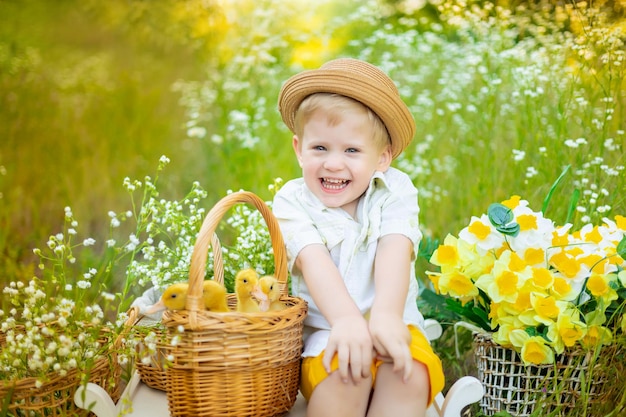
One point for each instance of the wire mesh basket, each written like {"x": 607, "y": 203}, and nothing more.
{"x": 519, "y": 389}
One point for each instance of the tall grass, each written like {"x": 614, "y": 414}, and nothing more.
{"x": 82, "y": 106}
{"x": 504, "y": 99}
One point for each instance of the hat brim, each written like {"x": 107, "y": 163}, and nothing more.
{"x": 386, "y": 103}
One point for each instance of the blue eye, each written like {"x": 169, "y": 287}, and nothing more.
{"x": 352, "y": 150}
{"x": 319, "y": 148}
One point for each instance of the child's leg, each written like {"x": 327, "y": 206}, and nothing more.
{"x": 393, "y": 397}
{"x": 333, "y": 397}
{"x": 328, "y": 395}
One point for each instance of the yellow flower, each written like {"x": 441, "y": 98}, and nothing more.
{"x": 516, "y": 264}
{"x": 570, "y": 331}
{"x": 474, "y": 264}
{"x": 567, "y": 330}
{"x": 512, "y": 202}
{"x": 535, "y": 286}
{"x": 594, "y": 260}
{"x": 505, "y": 316}
{"x": 446, "y": 254}
{"x": 542, "y": 278}
{"x": 545, "y": 306}
{"x": 534, "y": 256}
{"x": 495, "y": 312}
{"x": 562, "y": 289}
{"x": 527, "y": 221}
{"x": 612, "y": 257}
{"x": 479, "y": 229}
{"x": 500, "y": 287}
{"x": 503, "y": 282}
{"x": 545, "y": 310}
{"x": 593, "y": 236}
{"x": 533, "y": 348}
{"x": 599, "y": 286}
{"x": 536, "y": 351}
{"x": 596, "y": 336}
{"x": 434, "y": 278}
{"x": 570, "y": 335}
{"x": 457, "y": 285}
{"x": 559, "y": 238}
{"x": 506, "y": 330}
{"x": 522, "y": 303}
{"x": 565, "y": 264}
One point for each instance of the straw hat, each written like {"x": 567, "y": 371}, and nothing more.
{"x": 360, "y": 81}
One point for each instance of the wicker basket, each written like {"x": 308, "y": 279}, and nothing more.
{"x": 152, "y": 365}
{"x": 153, "y": 370}
{"x": 234, "y": 364}
{"x": 55, "y": 397}
{"x": 519, "y": 389}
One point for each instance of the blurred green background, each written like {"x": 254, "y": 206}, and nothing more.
{"x": 505, "y": 95}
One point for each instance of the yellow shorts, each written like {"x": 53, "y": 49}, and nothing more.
{"x": 313, "y": 372}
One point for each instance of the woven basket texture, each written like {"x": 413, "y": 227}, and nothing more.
{"x": 55, "y": 397}
{"x": 233, "y": 363}
{"x": 519, "y": 389}
{"x": 153, "y": 371}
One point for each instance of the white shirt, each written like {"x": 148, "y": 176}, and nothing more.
{"x": 389, "y": 206}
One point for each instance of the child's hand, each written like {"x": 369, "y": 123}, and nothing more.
{"x": 391, "y": 339}
{"x": 351, "y": 341}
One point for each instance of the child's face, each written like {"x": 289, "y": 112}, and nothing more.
{"x": 338, "y": 161}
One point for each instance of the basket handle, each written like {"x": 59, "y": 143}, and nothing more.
{"x": 207, "y": 236}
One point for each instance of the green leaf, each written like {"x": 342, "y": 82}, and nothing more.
{"x": 512, "y": 229}
{"x": 572, "y": 205}
{"x": 548, "y": 197}
{"x": 531, "y": 331}
{"x": 433, "y": 304}
{"x": 499, "y": 214}
{"x": 427, "y": 247}
{"x": 621, "y": 247}
{"x": 501, "y": 217}
{"x": 470, "y": 312}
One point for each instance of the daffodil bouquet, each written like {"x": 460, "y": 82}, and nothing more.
{"x": 538, "y": 288}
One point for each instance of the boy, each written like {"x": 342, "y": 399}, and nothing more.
{"x": 351, "y": 229}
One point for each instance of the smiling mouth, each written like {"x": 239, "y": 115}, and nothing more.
{"x": 334, "y": 184}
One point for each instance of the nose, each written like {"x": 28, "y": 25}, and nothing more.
{"x": 333, "y": 161}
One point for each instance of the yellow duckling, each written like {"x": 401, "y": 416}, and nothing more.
{"x": 214, "y": 296}
{"x": 246, "y": 282}
{"x": 174, "y": 298}
{"x": 268, "y": 294}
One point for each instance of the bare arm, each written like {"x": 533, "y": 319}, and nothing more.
{"x": 349, "y": 335}
{"x": 390, "y": 335}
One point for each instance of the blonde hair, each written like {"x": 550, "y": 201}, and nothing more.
{"x": 335, "y": 107}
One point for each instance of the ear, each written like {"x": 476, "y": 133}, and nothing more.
{"x": 297, "y": 148}
{"x": 384, "y": 160}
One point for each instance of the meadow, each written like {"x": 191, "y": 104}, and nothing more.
{"x": 509, "y": 99}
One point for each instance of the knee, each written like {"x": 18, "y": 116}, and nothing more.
{"x": 419, "y": 377}
{"x": 334, "y": 390}
{"x": 335, "y": 383}
{"x": 418, "y": 382}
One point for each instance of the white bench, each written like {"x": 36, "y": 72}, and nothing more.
{"x": 140, "y": 400}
